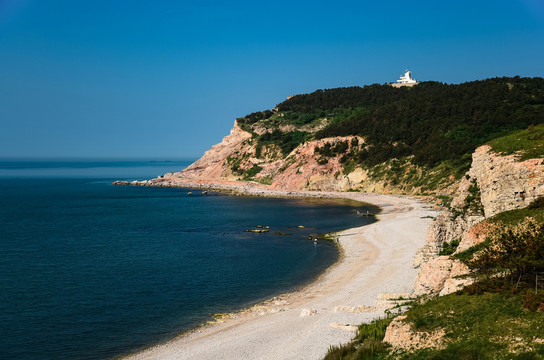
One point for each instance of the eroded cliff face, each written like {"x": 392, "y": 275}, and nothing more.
{"x": 493, "y": 184}
{"x": 506, "y": 183}
{"x": 303, "y": 169}
{"x": 212, "y": 164}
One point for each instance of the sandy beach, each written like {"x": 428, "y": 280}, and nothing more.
{"x": 376, "y": 259}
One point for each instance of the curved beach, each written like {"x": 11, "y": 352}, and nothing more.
{"x": 376, "y": 259}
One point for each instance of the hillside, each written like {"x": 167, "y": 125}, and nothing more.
{"x": 375, "y": 138}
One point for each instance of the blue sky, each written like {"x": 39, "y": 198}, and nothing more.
{"x": 166, "y": 79}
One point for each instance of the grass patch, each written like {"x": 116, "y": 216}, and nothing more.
{"x": 534, "y": 210}
{"x": 528, "y": 143}
{"x": 368, "y": 343}
{"x": 267, "y": 180}
{"x": 489, "y": 325}
{"x": 250, "y": 173}
{"x": 449, "y": 248}
{"x": 349, "y": 166}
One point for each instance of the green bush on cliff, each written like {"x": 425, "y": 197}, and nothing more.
{"x": 287, "y": 141}
{"x": 513, "y": 254}
{"x": 250, "y": 173}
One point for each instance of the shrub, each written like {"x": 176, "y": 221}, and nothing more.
{"x": 449, "y": 248}
{"x": 537, "y": 203}
{"x": 250, "y": 173}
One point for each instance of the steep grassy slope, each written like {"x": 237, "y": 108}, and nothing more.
{"x": 527, "y": 144}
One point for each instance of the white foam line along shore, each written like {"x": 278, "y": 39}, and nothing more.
{"x": 376, "y": 259}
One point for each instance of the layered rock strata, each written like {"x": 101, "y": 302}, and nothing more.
{"x": 506, "y": 183}
{"x": 503, "y": 183}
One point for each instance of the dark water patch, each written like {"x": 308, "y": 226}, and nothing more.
{"x": 91, "y": 270}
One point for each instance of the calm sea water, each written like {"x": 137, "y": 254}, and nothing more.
{"x": 89, "y": 270}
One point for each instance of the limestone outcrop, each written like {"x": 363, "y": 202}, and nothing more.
{"x": 506, "y": 183}
{"x": 493, "y": 184}
{"x": 401, "y": 336}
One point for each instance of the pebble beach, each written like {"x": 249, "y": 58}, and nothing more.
{"x": 375, "y": 267}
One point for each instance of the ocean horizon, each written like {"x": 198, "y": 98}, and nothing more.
{"x": 91, "y": 270}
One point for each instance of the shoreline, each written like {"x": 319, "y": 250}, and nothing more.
{"x": 373, "y": 267}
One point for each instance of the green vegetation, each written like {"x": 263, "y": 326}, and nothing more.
{"x": 250, "y": 173}
{"x": 483, "y": 326}
{"x": 349, "y": 166}
{"x": 473, "y": 203}
{"x": 500, "y": 315}
{"x": 432, "y": 121}
{"x": 267, "y": 180}
{"x": 407, "y": 176}
{"x": 287, "y": 141}
{"x": 535, "y": 210}
{"x": 330, "y": 150}
{"x": 234, "y": 163}
{"x": 528, "y": 144}
{"x": 445, "y": 200}
{"x": 434, "y": 126}
{"x": 246, "y": 121}
{"x": 367, "y": 344}
{"x": 514, "y": 252}
{"x": 516, "y": 255}
{"x": 449, "y": 248}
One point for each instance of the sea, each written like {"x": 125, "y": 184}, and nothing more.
{"x": 89, "y": 270}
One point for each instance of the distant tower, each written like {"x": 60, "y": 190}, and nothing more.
{"x": 405, "y": 80}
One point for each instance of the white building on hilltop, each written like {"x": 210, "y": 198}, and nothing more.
{"x": 405, "y": 80}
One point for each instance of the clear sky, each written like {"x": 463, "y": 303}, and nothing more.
{"x": 166, "y": 79}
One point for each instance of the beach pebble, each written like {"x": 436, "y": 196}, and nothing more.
{"x": 346, "y": 327}
{"x": 308, "y": 312}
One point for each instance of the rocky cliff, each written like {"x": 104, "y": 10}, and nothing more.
{"x": 506, "y": 183}
{"x": 240, "y": 157}
{"x": 236, "y": 159}
{"x": 493, "y": 184}
{"x": 212, "y": 165}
